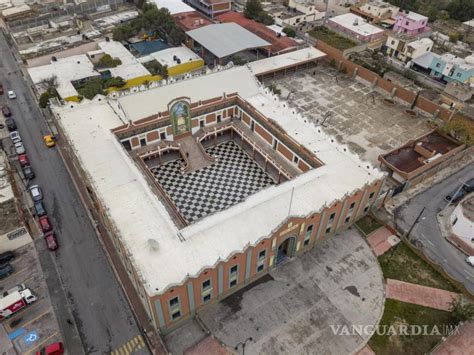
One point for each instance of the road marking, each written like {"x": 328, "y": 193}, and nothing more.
{"x": 130, "y": 347}
{"x": 20, "y": 313}
{"x": 42, "y": 314}
{"x": 41, "y": 343}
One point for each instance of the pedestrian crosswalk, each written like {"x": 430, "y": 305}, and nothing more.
{"x": 130, "y": 347}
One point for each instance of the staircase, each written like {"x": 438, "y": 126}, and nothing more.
{"x": 194, "y": 154}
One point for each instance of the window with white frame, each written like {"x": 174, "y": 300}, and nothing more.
{"x": 175, "y": 308}
{"x": 307, "y": 236}
{"x": 233, "y": 276}
{"x": 206, "y": 291}
{"x": 261, "y": 260}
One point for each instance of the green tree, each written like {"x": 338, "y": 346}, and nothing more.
{"x": 265, "y": 18}
{"x": 273, "y": 88}
{"x": 92, "y": 88}
{"x": 290, "y": 32}
{"x": 116, "y": 81}
{"x": 45, "y": 96}
{"x": 108, "y": 62}
{"x": 176, "y": 36}
{"x": 252, "y": 9}
{"x": 156, "y": 68}
{"x": 462, "y": 311}
{"x": 237, "y": 60}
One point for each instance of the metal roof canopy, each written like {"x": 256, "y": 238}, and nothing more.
{"x": 225, "y": 39}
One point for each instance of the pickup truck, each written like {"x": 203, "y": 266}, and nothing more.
{"x": 15, "y": 301}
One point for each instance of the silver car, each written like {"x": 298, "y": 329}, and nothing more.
{"x": 36, "y": 194}
{"x": 19, "y": 148}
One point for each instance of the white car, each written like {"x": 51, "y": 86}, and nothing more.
{"x": 15, "y": 137}
{"x": 36, "y": 194}
{"x": 11, "y": 94}
{"x": 470, "y": 260}
{"x": 19, "y": 148}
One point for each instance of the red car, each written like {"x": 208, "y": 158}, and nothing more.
{"x": 52, "y": 349}
{"x": 45, "y": 224}
{"x": 51, "y": 241}
{"x": 23, "y": 159}
{"x": 6, "y": 111}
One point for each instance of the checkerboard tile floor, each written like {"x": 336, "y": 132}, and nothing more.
{"x": 230, "y": 180}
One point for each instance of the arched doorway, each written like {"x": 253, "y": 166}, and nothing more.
{"x": 286, "y": 250}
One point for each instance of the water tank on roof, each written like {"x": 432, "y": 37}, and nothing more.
{"x": 470, "y": 59}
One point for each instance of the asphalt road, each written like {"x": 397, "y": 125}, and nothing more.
{"x": 82, "y": 284}
{"x": 427, "y": 231}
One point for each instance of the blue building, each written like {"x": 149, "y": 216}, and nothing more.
{"x": 448, "y": 67}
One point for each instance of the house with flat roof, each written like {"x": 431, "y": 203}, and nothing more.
{"x": 208, "y": 183}
{"x": 355, "y": 27}
{"x": 406, "y": 48}
{"x": 448, "y": 67}
{"x": 376, "y": 11}
{"x": 178, "y": 60}
{"x": 411, "y": 23}
{"x": 173, "y": 6}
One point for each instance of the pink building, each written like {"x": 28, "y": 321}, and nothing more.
{"x": 410, "y": 23}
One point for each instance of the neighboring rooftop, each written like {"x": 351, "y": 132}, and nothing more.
{"x": 290, "y": 59}
{"x": 66, "y": 70}
{"x": 420, "y": 152}
{"x": 145, "y": 228}
{"x": 424, "y": 60}
{"x": 173, "y": 6}
{"x": 130, "y": 67}
{"x": 188, "y": 21}
{"x": 278, "y": 44}
{"x": 225, "y": 39}
{"x": 356, "y": 24}
{"x": 167, "y": 56}
{"x": 412, "y": 15}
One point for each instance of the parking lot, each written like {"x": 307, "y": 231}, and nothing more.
{"x": 351, "y": 111}
{"x": 35, "y": 326}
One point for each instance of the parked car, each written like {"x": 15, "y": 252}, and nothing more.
{"x": 39, "y": 209}
{"x": 470, "y": 260}
{"x": 1, "y": 89}
{"x": 35, "y": 193}
{"x": 19, "y": 148}
{"x": 52, "y": 349}
{"x": 11, "y": 94}
{"x": 5, "y": 270}
{"x": 23, "y": 159}
{"x": 45, "y": 224}
{"x": 49, "y": 140}
{"x": 6, "y": 257}
{"x": 28, "y": 172}
{"x": 456, "y": 195}
{"x": 469, "y": 186}
{"x": 11, "y": 125}
{"x": 51, "y": 241}
{"x": 6, "y": 111}
{"x": 15, "y": 136}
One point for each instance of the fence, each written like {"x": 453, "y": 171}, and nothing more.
{"x": 401, "y": 93}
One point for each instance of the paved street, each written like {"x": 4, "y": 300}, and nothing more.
{"x": 435, "y": 246}
{"x": 79, "y": 277}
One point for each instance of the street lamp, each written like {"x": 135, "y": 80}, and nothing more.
{"x": 243, "y": 345}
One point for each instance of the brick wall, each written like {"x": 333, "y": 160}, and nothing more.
{"x": 401, "y": 93}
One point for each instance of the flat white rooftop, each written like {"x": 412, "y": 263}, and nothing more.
{"x": 130, "y": 67}
{"x": 183, "y": 53}
{"x": 143, "y": 224}
{"x": 66, "y": 70}
{"x": 173, "y": 6}
{"x": 413, "y": 16}
{"x": 281, "y": 61}
{"x": 356, "y": 24}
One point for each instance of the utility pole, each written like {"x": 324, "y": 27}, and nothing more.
{"x": 454, "y": 196}
{"x": 326, "y": 15}
{"x": 414, "y": 224}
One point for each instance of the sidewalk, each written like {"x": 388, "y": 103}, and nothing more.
{"x": 461, "y": 342}
{"x": 420, "y": 295}
{"x": 381, "y": 240}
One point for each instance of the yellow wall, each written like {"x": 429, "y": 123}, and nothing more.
{"x": 135, "y": 82}
{"x": 73, "y": 98}
{"x": 185, "y": 67}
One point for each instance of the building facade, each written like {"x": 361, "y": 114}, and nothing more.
{"x": 405, "y": 48}
{"x": 183, "y": 251}
{"x": 410, "y": 23}
{"x": 448, "y": 67}
{"x": 211, "y": 8}
{"x": 375, "y": 11}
